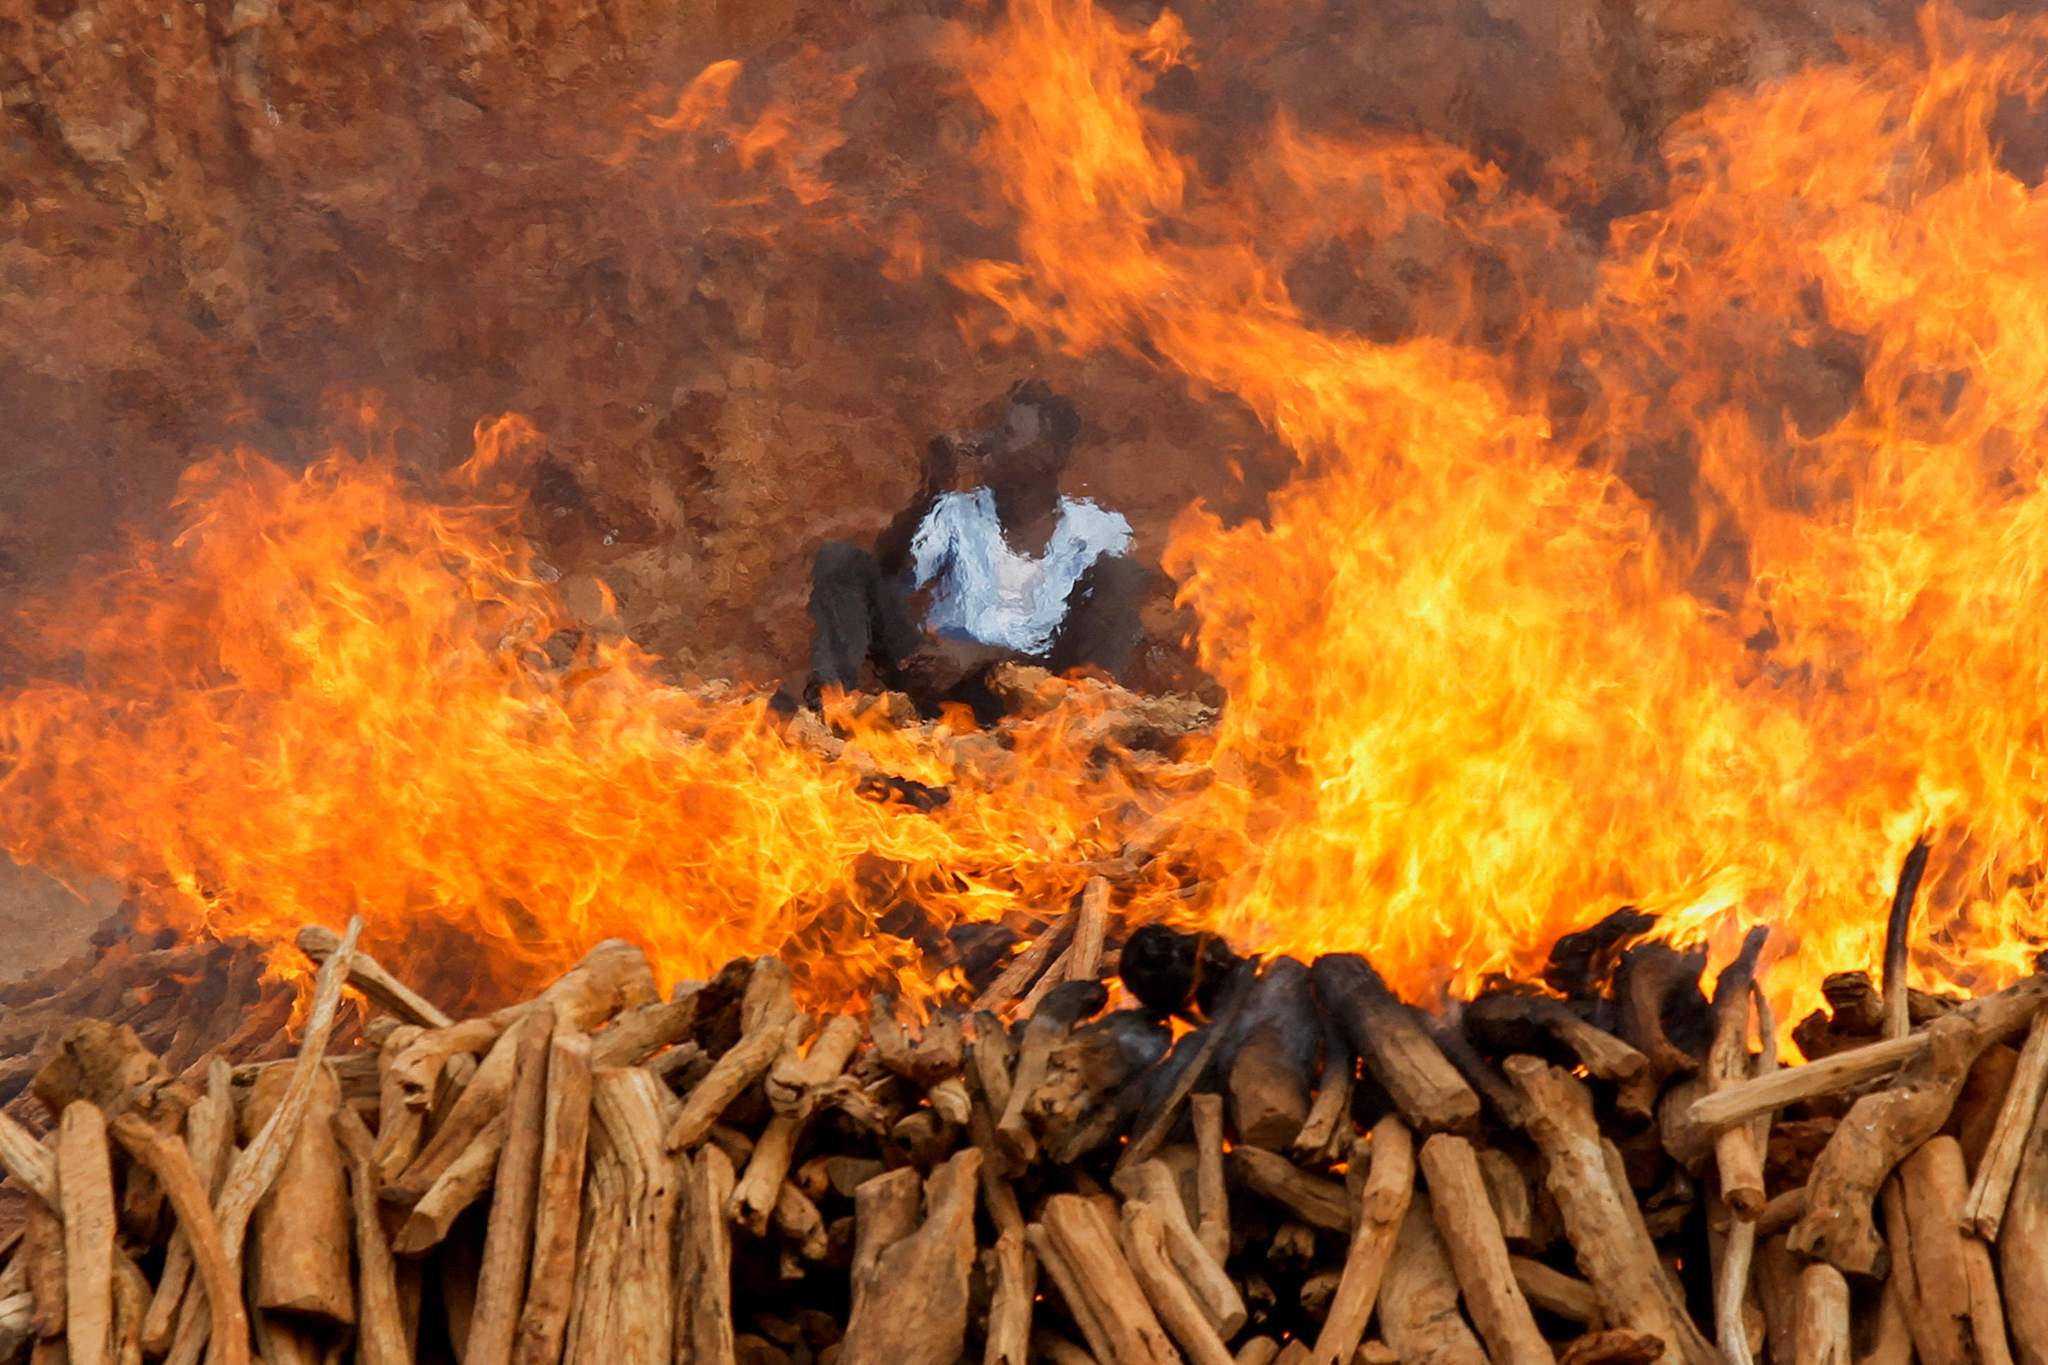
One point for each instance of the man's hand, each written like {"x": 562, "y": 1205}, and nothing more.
{"x": 942, "y": 665}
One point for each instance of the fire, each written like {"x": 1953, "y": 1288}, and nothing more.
{"x": 1705, "y": 580}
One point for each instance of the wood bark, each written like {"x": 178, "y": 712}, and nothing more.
{"x": 1821, "y": 1333}
{"x": 1419, "y": 1298}
{"x": 1086, "y": 1244}
{"x": 915, "y": 1311}
{"x": 508, "y": 1234}
{"x": 2023, "y": 1269}
{"x": 2018, "y": 1115}
{"x": 381, "y": 1334}
{"x": 85, "y": 1189}
{"x": 558, "y": 1213}
{"x": 704, "y": 1327}
{"x": 1378, "y": 1215}
{"x": 300, "y": 1232}
{"x": 1430, "y": 1093}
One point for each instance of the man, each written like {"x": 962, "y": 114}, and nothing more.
{"x": 991, "y": 563}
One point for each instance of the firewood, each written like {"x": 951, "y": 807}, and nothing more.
{"x": 794, "y": 1081}
{"x": 1931, "y": 1186}
{"x": 173, "y": 1167}
{"x": 1153, "y": 1184}
{"x": 369, "y": 976}
{"x": 508, "y": 1237}
{"x": 1614, "y": 1252}
{"x": 461, "y": 1184}
{"x": 1479, "y": 1254}
{"x": 301, "y": 1228}
{"x": 1984, "y": 1210}
{"x": 1505, "y": 1022}
{"x": 1144, "y": 1244}
{"x": 1612, "y": 1347}
{"x": 753, "y": 1198}
{"x": 1327, "y": 1124}
{"x": 1025, "y": 967}
{"x": 915, "y": 1308}
{"x": 885, "y": 1212}
{"x": 591, "y": 1317}
{"x": 473, "y": 1113}
{"x": 1880, "y": 1130}
{"x": 558, "y": 1205}
{"x": 1257, "y": 1351}
{"x": 644, "y": 1030}
{"x": 1125, "y": 1331}
{"x": 1056, "y": 1015}
{"x": 1651, "y": 977}
{"x": 627, "y": 1103}
{"x": 1052, "y": 1347}
{"x": 1212, "y": 1204}
{"x": 1738, "y": 1150}
{"x": 85, "y": 1179}
{"x": 1983, "y": 1092}
{"x": 1555, "y": 1292}
{"x": 42, "y": 1247}
{"x": 2023, "y": 1271}
{"x": 1419, "y": 1298}
{"x": 1267, "y": 1056}
{"x": 1992, "y": 1018}
{"x": 109, "y": 1066}
{"x": 1485, "y": 1080}
{"x": 381, "y": 1335}
{"x": 1082, "y": 958}
{"x": 1187, "y": 1065}
{"x": 1316, "y": 1201}
{"x": 704, "y": 1326}
{"x": 1891, "y": 1337}
{"x": 1821, "y": 1333}
{"x": 800, "y": 1224}
{"x": 1430, "y": 1093}
{"x": 764, "y": 1017}
{"x": 1507, "y": 1189}
{"x": 17, "y": 1324}
{"x": 1378, "y": 1215}
{"x": 1897, "y": 938}
{"x": 27, "y": 1160}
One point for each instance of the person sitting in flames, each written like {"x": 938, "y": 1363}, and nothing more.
{"x": 991, "y": 563}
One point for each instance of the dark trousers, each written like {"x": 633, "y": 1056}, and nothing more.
{"x": 859, "y": 614}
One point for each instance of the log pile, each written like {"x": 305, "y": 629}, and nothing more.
{"x": 1202, "y": 1158}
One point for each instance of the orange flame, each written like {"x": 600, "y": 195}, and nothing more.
{"x": 1706, "y": 580}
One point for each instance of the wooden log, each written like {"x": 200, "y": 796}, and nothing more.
{"x": 1880, "y": 1130}
{"x": 753, "y": 1198}
{"x": 27, "y": 1160}
{"x": 915, "y": 1310}
{"x": 704, "y": 1325}
{"x": 1614, "y": 1250}
{"x": 1327, "y": 1130}
{"x": 1651, "y": 977}
{"x": 1612, "y": 1347}
{"x": 170, "y": 1162}
{"x": 1479, "y": 1253}
{"x": 1897, "y": 938}
{"x": 1931, "y": 1186}
{"x": 1318, "y": 1202}
{"x": 1419, "y": 1298}
{"x": 1555, "y": 1292}
{"x": 209, "y": 1144}
{"x": 1257, "y": 1351}
{"x": 460, "y": 1185}
{"x": 1144, "y": 1243}
{"x": 1267, "y": 1059}
{"x": 1891, "y": 1337}
{"x": 1821, "y": 1333}
{"x": 644, "y": 1030}
{"x": 42, "y": 1248}
{"x": 1024, "y": 969}
{"x": 800, "y": 1224}
{"x": 301, "y": 1228}
{"x": 85, "y": 1191}
{"x": 369, "y": 976}
{"x": 628, "y": 1104}
{"x": 592, "y": 1320}
{"x": 558, "y": 1213}
{"x": 1152, "y": 1130}
{"x": 885, "y": 1212}
{"x": 1430, "y": 1093}
{"x": 1081, "y": 1306}
{"x": 1009, "y": 1309}
{"x": 1984, "y": 1210}
{"x": 2023, "y": 1270}
{"x": 1212, "y": 1200}
{"x": 508, "y": 1236}
{"x": 1153, "y": 1184}
{"x": 1738, "y": 1150}
{"x": 1504, "y": 1021}
{"x": 1378, "y": 1215}
{"x": 764, "y": 1018}
{"x": 1057, "y": 1013}
{"x": 17, "y": 1324}
{"x": 1993, "y": 1018}
{"x": 1095, "y": 1082}
{"x": 381, "y": 1334}
{"x": 1507, "y": 1189}
{"x": 1086, "y": 1243}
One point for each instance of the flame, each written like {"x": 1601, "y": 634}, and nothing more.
{"x": 1702, "y": 578}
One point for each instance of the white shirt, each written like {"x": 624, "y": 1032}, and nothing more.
{"x": 986, "y": 591}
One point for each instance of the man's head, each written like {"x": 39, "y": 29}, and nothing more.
{"x": 1032, "y": 439}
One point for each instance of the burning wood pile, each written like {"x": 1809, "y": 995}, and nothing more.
{"x": 1309, "y": 1170}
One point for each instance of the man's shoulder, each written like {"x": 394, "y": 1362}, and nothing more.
{"x": 1094, "y": 522}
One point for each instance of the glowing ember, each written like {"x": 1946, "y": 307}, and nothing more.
{"x": 1708, "y": 582}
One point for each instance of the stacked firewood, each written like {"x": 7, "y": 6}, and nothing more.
{"x": 1205, "y": 1158}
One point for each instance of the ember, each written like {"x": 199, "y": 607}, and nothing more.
{"x": 1608, "y": 559}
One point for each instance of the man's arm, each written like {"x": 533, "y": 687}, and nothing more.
{"x": 941, "y": 465}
